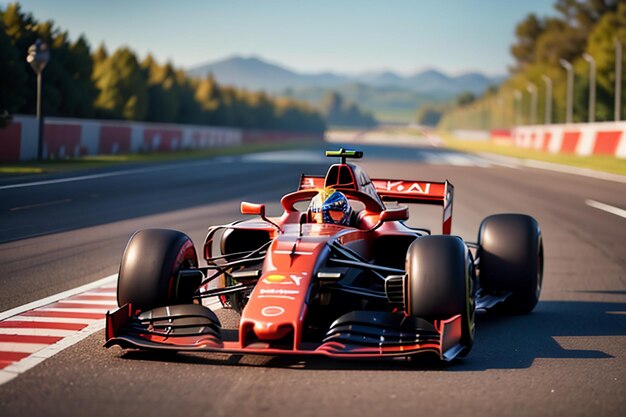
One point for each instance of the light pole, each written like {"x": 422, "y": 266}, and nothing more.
{"x": 532, "y": 89}
{"x": 38, "y": 57}
{"x": 548, "y": 109}
{"x": 592, "y": 86}
{"x": 517, "y": 106}
{"x": 500, "y": 111}
{"x": 618, "y": 79}
{"x": 570, "y": 89}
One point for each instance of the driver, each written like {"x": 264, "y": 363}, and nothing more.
{"x": 330, "y": 206}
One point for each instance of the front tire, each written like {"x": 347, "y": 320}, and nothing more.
{"x": 511, "y": 260}
{"x": 149, "y": 267}
{"x": 440, "y": 283}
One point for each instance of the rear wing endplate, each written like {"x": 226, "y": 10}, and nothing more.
{"x": 419, "y": 192}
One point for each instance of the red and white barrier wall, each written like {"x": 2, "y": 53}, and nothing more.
{"x": 584, "y": 139}
{"x": 80, "y": 137}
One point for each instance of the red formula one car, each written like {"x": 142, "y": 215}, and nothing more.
{"x": 370, "y": 287}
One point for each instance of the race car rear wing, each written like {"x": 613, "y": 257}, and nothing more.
{"x": 402, "y": 191}
{"x": 419, "y": 192}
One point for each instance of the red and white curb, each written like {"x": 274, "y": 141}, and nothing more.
{"x": 34, "y": 332}
{"x": 584, "y": 139}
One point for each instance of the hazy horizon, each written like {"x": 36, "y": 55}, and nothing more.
{"x": 355, "y": 73}
{"x": 455, "y": 36}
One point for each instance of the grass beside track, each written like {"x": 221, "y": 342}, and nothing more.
{"x": 103, "y": 161}
{"x": 596, "y": 162}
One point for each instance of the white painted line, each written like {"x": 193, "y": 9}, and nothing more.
{"x": 458, "y": 159}
{"x": 434, "y": 158}
{"x": 53, "y": 298}
{"x": 516, "y": 163}
{"x": 6, "y": 376}
{"x": 481, "y": 162}
{"x": 48, "y": 351}
{"x": 605, "y": 207}
{"x": 101, "y": 294}
{"x": 566, "y": 169}
{"x": 46, "y": 204}
{"x": 107, "y": 174}
{"x": 500, "y": 160}
{"x": 74, "y": 179}
{"x": 53, "y": 320}
{"x": 31, "y": 331}
{"x": 75, "y": 310}
{"x": 21, "y": 347}
{"x": 112, "y": 285}
{"x": 109, "y": 303}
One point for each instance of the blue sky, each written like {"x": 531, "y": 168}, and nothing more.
{"x": 311, "y": 36}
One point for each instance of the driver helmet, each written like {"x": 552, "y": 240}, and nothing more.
{"x": 330, "y": 206}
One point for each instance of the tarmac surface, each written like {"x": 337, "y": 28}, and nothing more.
{"x": 567, "y": 358}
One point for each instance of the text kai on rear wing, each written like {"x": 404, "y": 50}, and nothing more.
{"x": 404, "y": 191}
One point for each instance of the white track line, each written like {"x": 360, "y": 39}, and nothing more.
{"x": 511, "y": 162}
{"x": 52, "y": 320}
{"x": 48, "y": 351}
{"x": 28, "y": 331}
{"x": 75, "y": 310}
{"x": 79, "y": 178}
{"x": 106, "y": 303}
{"x": 65, "y": 294}
{"x": 38, "y": 205}
{"x": 101, "y": 294}
{"x": 566, "y": 169}
{"x": 21, "y": 347}
{"x": 605, "y": 207}
{"x": 499, "y": 160}
{"x": 108, "y": 174}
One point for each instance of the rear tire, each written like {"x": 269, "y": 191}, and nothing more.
{"x": 511, "y": 260}
{"x": 149, "y": 268}
{"x": 440, "y": 283}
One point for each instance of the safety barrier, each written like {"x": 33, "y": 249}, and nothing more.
{"x": 80, "y": 137}
{"x": 584, "y": 139}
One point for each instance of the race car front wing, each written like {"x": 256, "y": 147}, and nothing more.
{"x": 358, "y": 334}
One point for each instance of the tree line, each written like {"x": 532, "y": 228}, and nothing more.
{"x": 340, "y": 112}
{"x": 579, "y": 27}
{"x": 80, "y": 83}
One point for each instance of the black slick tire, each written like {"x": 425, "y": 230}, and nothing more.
{"x": 440, "y": 283}
{"x": 150, "y": 265}
{"x": 511, "y": 260}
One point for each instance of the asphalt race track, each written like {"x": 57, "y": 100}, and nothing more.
{"x": 567, "y": 358}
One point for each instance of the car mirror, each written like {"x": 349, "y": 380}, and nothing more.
{"x": 259, "y": 210}
{"x": 400, "y": 213}
{"x": 395, "y": 214}
{"x": 252, "y": 208}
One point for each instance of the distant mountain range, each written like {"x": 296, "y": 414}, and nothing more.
{"x": 390, "y": 96}
{"x": 257, "y": 74}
